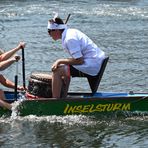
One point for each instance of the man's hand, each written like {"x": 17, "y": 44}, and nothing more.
{"x": 55, "y": 65}
{"x": 21, "y": 45}
{"x": 17, "y": 58}
{"x": 21, "y": 88}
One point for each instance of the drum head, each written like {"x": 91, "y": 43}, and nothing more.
{"x": 41, "y": 76}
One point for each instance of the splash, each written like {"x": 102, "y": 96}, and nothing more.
{"x": 15, "y": 105}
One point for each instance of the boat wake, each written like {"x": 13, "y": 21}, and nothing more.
{"x": 15, "y": 111}
{"x": 68, "y": 120}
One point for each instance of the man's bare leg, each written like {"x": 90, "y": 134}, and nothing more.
{"x": 3, "y": 103}
{"x": 60, "y": 77}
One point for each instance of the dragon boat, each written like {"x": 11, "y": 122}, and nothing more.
{"x": 38, "y": 101}
{"x": 80, "y": 103}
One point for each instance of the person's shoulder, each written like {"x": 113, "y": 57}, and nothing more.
{"x": 70, "y": 32}
{"x": 73, "y": 31}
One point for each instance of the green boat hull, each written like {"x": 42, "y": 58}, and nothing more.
{"x": 84, "y": 104}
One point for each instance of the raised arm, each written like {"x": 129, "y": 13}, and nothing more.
{"x": 5, "y": 64}
{"x": 10, "y": 53}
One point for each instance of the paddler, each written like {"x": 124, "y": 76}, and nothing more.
{"x": 6, "y": 59}
{"x": 85, "y": 56}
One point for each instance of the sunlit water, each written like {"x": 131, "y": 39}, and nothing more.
{"x": 119, "y": 27}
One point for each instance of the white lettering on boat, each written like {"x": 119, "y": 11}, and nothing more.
{"x": 69, "y": 109}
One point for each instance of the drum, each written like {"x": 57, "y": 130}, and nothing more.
{"x": 40, "y": 84}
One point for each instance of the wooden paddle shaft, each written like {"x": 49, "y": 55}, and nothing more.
{"x": 16, "y": 82}
{"x": 67, "y": 18}
{"x": 23, "y": 67}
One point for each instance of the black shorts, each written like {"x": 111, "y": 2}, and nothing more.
{"x": 76, "y": 73}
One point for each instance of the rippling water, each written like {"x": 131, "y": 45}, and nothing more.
{"x": 120, "y": 28}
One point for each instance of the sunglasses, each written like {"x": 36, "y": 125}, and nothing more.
{"x": 50, "y": 30}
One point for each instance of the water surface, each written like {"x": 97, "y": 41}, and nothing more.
{"x": 119, "y": 27}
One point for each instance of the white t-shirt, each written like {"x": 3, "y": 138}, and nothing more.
{"x": 77, "y": 44}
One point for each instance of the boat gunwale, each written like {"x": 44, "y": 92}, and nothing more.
{"x": 87, "y": 96}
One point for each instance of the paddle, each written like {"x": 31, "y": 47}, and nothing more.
{"x": 16, "y": 81}
{"x": 23, "y": 67}
{"x": 67, "y": 18}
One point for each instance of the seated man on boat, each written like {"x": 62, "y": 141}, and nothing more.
{"x": 85, "y": 56}
{"x": 6, "y": 59}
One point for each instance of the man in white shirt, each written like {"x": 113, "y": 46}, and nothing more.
{"x": 86, "y": 57}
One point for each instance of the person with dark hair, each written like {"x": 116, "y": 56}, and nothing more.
{"x": 6, "y": 59}
{"x": 86, "y": 57}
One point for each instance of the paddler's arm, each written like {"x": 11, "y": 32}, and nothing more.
{"x": 10, "y": 53}
{"x": 7, "y": 83}
{"x": 68, "y": 61}
{"x": 7, "y": 63}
